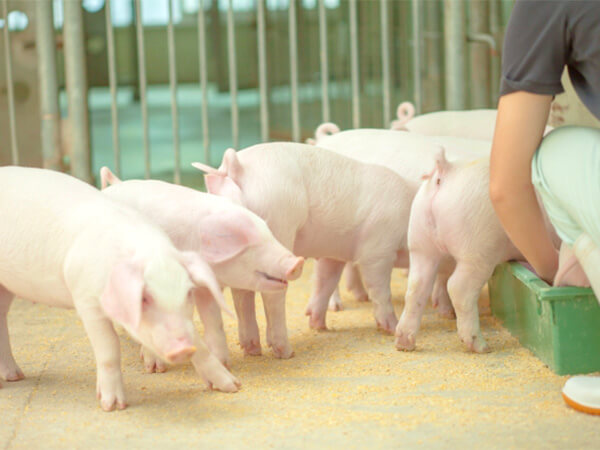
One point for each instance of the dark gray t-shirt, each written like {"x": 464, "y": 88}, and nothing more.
{"x": 542, "y": 37}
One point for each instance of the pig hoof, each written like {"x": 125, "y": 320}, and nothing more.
{"x": 282, "y": 351}
{"x": 406, "y": 342}
{"x": 226, "y": 383}
{"x": 251, "y": 348}
{"x": 317, "y": 323}
{"x": 335, "y": 305}
{"x": 14, "y": 375}
{"x": 478, "y": 345}
{"x": 388, "y": 325}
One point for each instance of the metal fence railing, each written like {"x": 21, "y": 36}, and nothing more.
{"x": 350, "y": 61}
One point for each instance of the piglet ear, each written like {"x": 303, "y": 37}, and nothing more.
{"x": 226, "y": 235}
{"x": 122, "y": 296}
{"x": 203, "y": 277}
{"x": 231, "y": 164}
{"x": 570, "y": 272}
{"x": 223, "y": 186}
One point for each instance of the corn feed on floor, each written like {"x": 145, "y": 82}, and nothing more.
{"x": 346, "y": 387}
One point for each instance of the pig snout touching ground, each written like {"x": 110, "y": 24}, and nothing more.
{"x": 65, "y": 244}
{"x": 235, "y": 242}
{"x": 452, "y": 216}
{"x": 344, "y": 211}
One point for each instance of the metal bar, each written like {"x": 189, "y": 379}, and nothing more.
{"x": 10, "y": 89}
{"x": 455, "y": 42}
{"x": 49, "y": 110}
{"x": 262, "y": 71}
{"x": 324, "y": 61}
{"x": 173, "y": 85}
{"x": 203, "y": 81}
{"x": 479, "y": 54}
{"x": 433, "y": 93}
{"x": 77, "y": 90}
{"x": 294, "y": 71}
{"x": 354, "y": 65}
{"x": 495, "y": 68}
{"x": 416, "y": 35}
{"x": 112, "y": 81}
{"x": 385, "y": 63}
{"x": 232, "y": 75}
{"x": 143, "y": 85}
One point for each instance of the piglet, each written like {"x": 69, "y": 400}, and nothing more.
{"x": 234, "y": 241}
{"x": 65, "y": 244}
{"x": 472, "y": 124}
{"x": 322, "y": 205}
{"x": 410, "y": 155}
{"x": 452, "y": 217}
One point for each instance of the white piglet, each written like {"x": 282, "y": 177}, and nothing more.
{"x": 323, "y": 205}
{"x": 472, "y": 124}
{"x": 65, "y": 244}
{"x": 452, "y": 216}
{"x": 236, "y": 243}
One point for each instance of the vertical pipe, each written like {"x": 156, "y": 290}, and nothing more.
{"x": 495, "y": 67}
{"x": 324, "y": 61}
{"x": 262, "y": 71}
{"x": 479, "y": 56}
{"x": 385, "y": 63}
{"x": 434, "y": 57}
{"x": 232, "y": 75}
{"x": 416, "y": 50}
{"x": 294, "y": 71}
{"x": 76, "y": 80}
{"x": 143, "y": 85}
{"x": 354, "y": 68}
{"x": 173, "y": 85}
{"x": 455, "y": 40}
{"x": 203, "y": 81}
{"x": 112, "y": 80}
{"x": 10, "y": 87}
{"x": 49, "y": 110}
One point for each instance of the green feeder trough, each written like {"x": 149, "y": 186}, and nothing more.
{"x": 561, "y": 326}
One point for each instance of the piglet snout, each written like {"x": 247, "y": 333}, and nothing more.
{"x": 181, "y": 352}
{"x": 295, "y": 269}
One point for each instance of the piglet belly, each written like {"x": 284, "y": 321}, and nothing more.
{"x": 322, "y": 243}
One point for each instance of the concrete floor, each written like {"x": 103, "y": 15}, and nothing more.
{"x": 345, "y": 388}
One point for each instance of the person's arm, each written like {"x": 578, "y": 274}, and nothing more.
{"x": 520, "y": 125}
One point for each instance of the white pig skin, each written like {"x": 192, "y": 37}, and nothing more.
{"x": 234, "y": 241}
{"x": 410, "y": 155}
{"x": 323, "y": 205}
{"x": 65, "y": 244}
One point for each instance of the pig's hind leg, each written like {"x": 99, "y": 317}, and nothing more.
{"x": 440, "y": 298}
{"x": 353, "y": 284}
{"x": 464, "y": 287}
{"x": 377, "y": 276}
{"x": 421, "y": 276}
{"x": 248, "y": 333}
{"x": 9, "y": 370}
{"x": 326, "y": 277}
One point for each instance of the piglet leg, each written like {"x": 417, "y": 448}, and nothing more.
{"x": 277, "y": 337}
{"x": 440, "y": 298}
{"x": 214, "y": 334}
{"x": 377, "y": 278}
{"x": 464, "y": 287}
{"x": 215, "y": 374}
{"x": 247, "y": 327}
{"x": 423, "y": 268}
{"x": 354, "y": 283}
{"x": 8, "y": 367}
{"x": 105, "y": 343}
{"x": 335, "y": 301}
{"x": 326, "y": 277}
